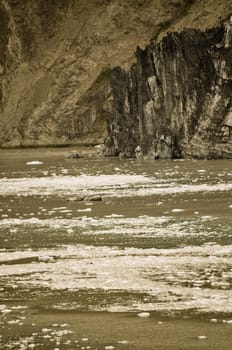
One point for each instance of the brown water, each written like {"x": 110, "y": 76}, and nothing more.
{"x": 108, "y": 253}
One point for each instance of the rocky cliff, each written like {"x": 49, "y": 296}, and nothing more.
{"x": 58, "y": 84}
{"x": 176, "y": 100}
{"x": 55, "y": 59}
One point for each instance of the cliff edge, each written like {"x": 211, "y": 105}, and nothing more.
{"x": 176, "y": 100}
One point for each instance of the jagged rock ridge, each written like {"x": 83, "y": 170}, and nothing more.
{"x": 176, "y": 100}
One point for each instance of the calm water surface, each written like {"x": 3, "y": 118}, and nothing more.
{"x": 108, "y": 253}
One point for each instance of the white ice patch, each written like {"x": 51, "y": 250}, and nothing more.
{"x": 174, "y": 277}
{"x": 107, "y": 185}
{"x": 146, "y": 226}
{"x": 85, "y": 210}
{"x": 177, "y": 210}
{"x": 68, "y": 184}
{"x": 34, "y": 162}
{"x": 143, "y": 314}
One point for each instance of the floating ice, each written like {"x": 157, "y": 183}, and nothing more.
{"x": 114, "y": 216}
{"x": 46, "y": 330}
{"x": 6, "y": 311}
{"x": 107, "y": 185}
{"x": 34, "y": 162}
{"x": 13, "y": 322}
{"x": 227, "y": 321}
{"x": 144, "y": 314}
{"x": 84, "y": 210}
{"x": 177, "y": 210}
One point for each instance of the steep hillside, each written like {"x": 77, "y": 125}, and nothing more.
{"x": 56, "y": 58}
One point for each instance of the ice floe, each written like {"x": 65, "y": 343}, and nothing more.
{"x": 106, "y": 185}
{"x": 34, "y": 162}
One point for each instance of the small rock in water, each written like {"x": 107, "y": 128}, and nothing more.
{"x": 74, "y": 155}
{"x": 100, "y": 150}
{"x": 109, "y": 347}
{"x": 144, "y": 314}
{"x": 94, "y": 198}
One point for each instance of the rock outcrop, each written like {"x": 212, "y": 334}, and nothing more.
{"x": 55, "y": 57}
{"x": 176, "y": 100}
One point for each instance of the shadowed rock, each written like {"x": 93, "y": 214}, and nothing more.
{"x": 176, "y": 100}
{"x": 74, "y": 155}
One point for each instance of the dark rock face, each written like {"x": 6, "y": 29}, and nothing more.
{"x": 176, "y": 100}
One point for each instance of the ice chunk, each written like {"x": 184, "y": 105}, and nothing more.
{"x": 34, "y": 162}
{"x": 177, "y": 210}
{"x": 144, "y": 314}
